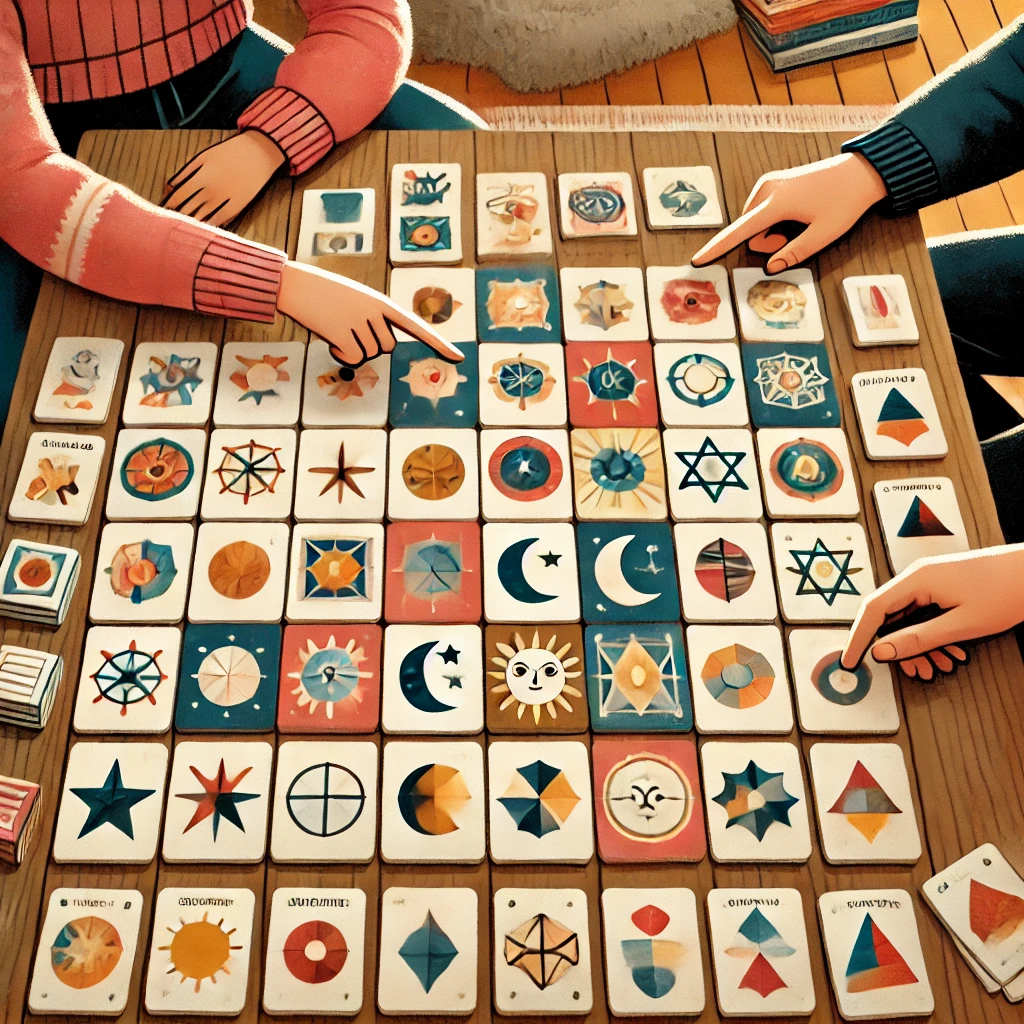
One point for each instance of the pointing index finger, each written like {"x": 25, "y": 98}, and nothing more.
{"x": 422, "y": 331}
{"x": 751, "y": 223}
{"x": 891, "y": 597}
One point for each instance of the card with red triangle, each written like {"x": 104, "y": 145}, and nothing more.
{"x": 897, "y": 413}
{"x": 920, "y": 517}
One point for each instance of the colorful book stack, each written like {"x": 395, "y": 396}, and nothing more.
{"x": 28, "y": 684}
{"x": 19, "y": 811}
{"x": 794, "y": 33}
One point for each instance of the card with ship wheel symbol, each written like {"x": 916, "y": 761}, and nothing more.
{"x": 156, "y": 474}
{"x": 250, "y": 474}
{"x": 522, "y": 385}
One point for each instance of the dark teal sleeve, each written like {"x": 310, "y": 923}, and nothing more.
{"x": 962, "y": 130}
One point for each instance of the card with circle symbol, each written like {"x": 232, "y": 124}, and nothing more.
{"x": 235, "y": 579}
{"x": 525, "y": 475}
{"x": 897, "y": 415}
{"x": 111, "y": 804}
{"x": 426, "y": 213}
{"x": 881, "y": 310}
{"x": 513, "y": 217}
{"x": 156, "y": 474}
{"x": 142, "y": 573}
{"x": 652, "y": 952}
{"x": 596, "y": 205}
{"x": 325, "y": 802}
{"x": 443, "y": 296}
{"x": 725, "y": 572}
{"x": 330, "y": 679}
{"x": 542, "y": 961}
{"x": 170, "y": 384}
{"x": 199, "y": 956}
{"x": 433, "y": 476}
{"x": 759, "y": 951}
{"x": 522, "y": 386}
{"x": 433, "y": 804}
{"x": 682, "y": 197}
{"x": 229, "y": 678}
{"x": 316, "y": 947}
{"x": 336, "y": 222}
{"x": 647, "y": 798}
{"x": 865, "y": 808}
{"x": 433, "y": 680}
{"x": 530, "y": 573}
{"x": 128, "y": 679}
{"x": 611, "y": 385}
{"x": 428, "y": 951}
{"x": 334, "y": 395}
{"x": 781, "y": 307}
{"x": 832, "y": 699}
{"x": 340, "y": 475}
{"x": 874, "y": 954}
{"x": 690, "y": 303}
{"x": 618, "y": 473}
{"x": 79, "y": 379}
{"x": 790, "y": 385}
{"x": 336, "y": 572}
{"x": 259, "y": 384}
{"x": 739, "y": 680}
{"x": 823, "y": 570}
{"x": 250, "y": 474}
{"x": 700, "y": 384}
{"x": 58, "y": 478}
{"x": 755, "y": 802}
{"x": 712, "y": 474}
{"x": 86, "y": 952}
{"x": 38, "y": 581}
{"x": 518, "y": 304}
{"x": 920, "y": 517}
{"x": 604, "y": 304}
{"x": 218, "y": 802}
{"x": 428, "y": 391}
{"x": 807, "y": 473}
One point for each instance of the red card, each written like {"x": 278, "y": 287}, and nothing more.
{"x": 611, "y": 385}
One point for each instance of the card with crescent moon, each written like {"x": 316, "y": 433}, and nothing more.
{"x": 170, "y": 385}
{"x": 518, "y": 304}
{"x": 618, "y": 473}
{"x": 604, "y": 304}
{"x": 259, "y": 384}
{"x": 443, "y": 296}
{"x": 778, "y": 308}
{"x": 790, "y": 384}
{"x": 611, "y": 385}
{"x": 433, "y": 475}
{"x": 681, "y": 197}
{"x": 341, "y": 475}
{"x": 525, "y": 475}
{"x": 712, "y": 474}
{"x": 156, "y": 474}
{"x": 596, "y": 204}
{"x": 522, "y": 385}
{"x": 250, "y": 474}
{"x": 78, "y": 382}
{"x": 807, "y": 473}
{"x": 425, "y": 225}
{"x": 700, "y": 384}
{"x": 428, "y": 391}
{"x": 58, "y": 478}
{"x": 690, "y": 303}
{"x": 342, "y": 396}
{"x": 512, "y": 214}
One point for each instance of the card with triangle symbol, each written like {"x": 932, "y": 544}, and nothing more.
{"x": 920, "y": 517}
{"x": 897, "y": 414}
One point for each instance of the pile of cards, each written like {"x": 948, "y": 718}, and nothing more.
{"x": 28, "y": 684}
{"x": 19, "y": 812}
{"x": 37, "y": 581}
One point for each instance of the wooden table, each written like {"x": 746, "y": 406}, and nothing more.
{"x": 963, "y": 737}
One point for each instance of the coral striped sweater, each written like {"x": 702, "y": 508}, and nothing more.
{"x": 86, "y": 229}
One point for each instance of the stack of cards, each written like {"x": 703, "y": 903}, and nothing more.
{"x": 37, "y": 581}
{"x": 28, "y": 684}
{"x": 426, "y": 213}
{"x": 336, "y": 222}
{"x": 19, "y": 812}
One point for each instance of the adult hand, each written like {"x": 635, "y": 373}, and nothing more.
{"x": 829, "y": 197}
{"x": 217, "y": 184}
{"x": 981, "y": 594}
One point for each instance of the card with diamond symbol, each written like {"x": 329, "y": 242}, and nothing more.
{"x": 790, "y": 385}
{"x": 712, "y": 474}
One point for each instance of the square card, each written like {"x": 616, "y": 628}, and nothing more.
{"x": 156, "y": 474}
{"x": 336, "y": 572}
{"x": 652, "y": 952}
{"x": 259, "y": 384}
{"x": 542, "y": 953}
{"x": 712, "y": 474}
{"x": 170, "y": 384}
{"x": 433, "y": 803}
{"x": 690, "y": 303}
{"x": 428, "y": 951}
{"x": 604, "y": 304}
{"x": 443, "y": 296}
{"x": 541, "y": 808}
{"x": 199, "y": 956}
{"x": 831, "y": 699}
{"x": 325, "y": 802}
{"x": 58, "y": 478}
{"x": 218, "y": 802}
{"x": 759, "y": 950}
{"x": 433, "y": 680}
{"x": 525, "y": 475}
{"x": 700, "y": 385}
{"x": 742, "y": 686}
{"x": 235, "y": 579}
{"x": 647, "y": 796}
{"x": 755, "y": 802}
{"x": 807, "y": 473}
{"x": 790, "y": 385}
{"x": 250, "y": 474}
{"x": 920, "y": 517}
{"x": 636, "y": 678}
{"x": 79, "y": 380}
{"x": 428, "y": 391}
{"x": 344, "y": 396}
{"x": 86, "y": 952}
{"x": 316, "y": 944}
{"x": 874, "y": 954}
{"x": 433, "y": 476}
{"x": 881, "y": 310}
{"x": 111, "y": 804}
{"x": 618, "y": 473}
{"x": 682, "y": 197}
{"x": 513, "y": 217}
{"x": 596, "y": 204}
{"x": 865, "y": 808}
{"x": 519, "y": 304}
{"x": 611, "y": 385}
{"x": 522, "y": 386}
{"x": 336, "y": 222}
{"x": 897, "y": 415}
{"x": 725, "y": 572}
{"x": 229, "y": 678}
{"x": 142, "y": 573}
{"x": 38, "y": 581}
{"x": 330, "y": 679}
{"x": 823, "y": 570}
{"x": 781, "y": 307}
{"x": 425, "y": 222}
{"x": 341, "y": 475}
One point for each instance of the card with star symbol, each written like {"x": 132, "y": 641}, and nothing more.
{"x": 250, "y": 474}
{"x": 340, "y": 475}
{"x": 58, "y": 478}
{"x": 334, "y": 395}
{"x": 781, "y": 307}
{"x": 807, "y": 473}
{"x": 611, "y": 385}
{"x": 443, "y": 296}
{"x": 428, "y": 391}
{"x": 712, "y": 474}
{"x": 604, "y": 304}
{"x": 700, "y": 384}
{"x": 525, "y": 475}
{"x": 433, "y": 475}
{"x": 522, "y": 385}
{"x": 790, "y": 385}
{"x": 690, "y": 303}
{"x": 259, "y": 384}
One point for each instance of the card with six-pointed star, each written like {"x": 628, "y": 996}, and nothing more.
{"x": 512, "y": 214}
{"x": 58, "y": 478}
{"x": 596, "y": 204}
{"x": 518, "y": 304}
{"x": 604, "y": 304}
{"x": 700, "y": 384}
{"x": 428, "y": 391}
{"x": 522, "y": 385}
{"x": 336, "y": 395}
{"x": 919, "y": 517}
{"x": 712, "y": 474}
{"x": 690, "y": 303}
{"x": 170, "y": 384}
{"x": 618, "y": 473}
{"x": 807, "y": 473}
{"x": 433, "y": 476}
{"x": 250, "y": 474}
{"x": 611, "y": 385}
{"x": 681, "y": 197}
{"x": 790, "y": 385}
{"x": 259, "y": 384}
{"x": 897, "y": 414}
{"x": 156, "y": 474}
{"x": 341, "y": 475}
{"x": 525, "y": 475}
{"x": 443, "y": 296}
{"x": 781, "y": 307}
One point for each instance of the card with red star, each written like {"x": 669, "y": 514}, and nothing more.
{"x": 611, "y": 385}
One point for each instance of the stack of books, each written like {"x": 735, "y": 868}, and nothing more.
{"x": 794, "y": 33}
{"x": 19, "y": 811}
{"x": 28, "y": 684}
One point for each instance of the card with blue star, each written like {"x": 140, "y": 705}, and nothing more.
{"x": 428, "y": 391}
{"x": 790, "y": 385}
{"x": 111, "y": 804}
{"x": 229, "y": 678}
{"x": 627, "y": 572}
{"x": 611, "y": 385}
{"x": 259, "y": 384}
{"x": 700, "y": 384}
{"x": 519, "y": 304}
{"x": 712, "y": 474}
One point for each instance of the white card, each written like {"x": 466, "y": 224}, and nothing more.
{"x": 700, "y": 385}
{"x": 250, "y": 474}
{"x": 156, "y": 474}
{"x": 596, "y": 204}
{"x": 807, "y": 473}
{"x": 682, "y": 197}
{"x": 690, "y": 303}
{"x": 513, "y": 217}
{"x": 343, "y": 396}
{"x": 58, "y": 478}
{"x": 433, "y": 475}
{"x": 603, "y": 304}
{"x": 522, "y": 385}
{"x": 897, "y": 414}
{"x": 341, "y": 475}
{"x": 426, "y": 213}
{"x": 443, "y": 296}
{"x": 170, "y": 384}
{"x": 38, "y": 580}
{"x": 336, "y": 222}
{"x": 781, "y": 307}
{"x": 920, "y": 518}
{"x": 525, "y": 475}
{"x": 259, "y": 384}
{"x": 712, "y": 474}
{"x": 79, "y": 380}
{"x": 881, "y": 309}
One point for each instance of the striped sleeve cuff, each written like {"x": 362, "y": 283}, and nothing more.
{"x": 905, "y": 166}
{"x": 300, "y": 130}
{"x": 238, "y": 280}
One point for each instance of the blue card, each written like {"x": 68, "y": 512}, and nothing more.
{"x": 790, "y": 385}
{"x": 518, "y": 303}
{"x": 428, "y": 391}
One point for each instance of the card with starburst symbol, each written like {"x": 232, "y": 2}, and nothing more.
{"x": 618, "y": 473}
{"x": 259, "y": 384}
{"x": 790, "y": 384}
{"x": 344, "y": 396}
{"x": 428, "y": 391}
{"x": 250, "y": 474}
{"x": 712, "y": 474}
{"x": 341, "y": 475}
{"x": 611, "y": 385}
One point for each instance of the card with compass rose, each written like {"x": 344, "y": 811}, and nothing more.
{"x": 340, "y": 475}
{"x": 712, "y": 474}
{"x": 790, "y": 384}
{"x": 250, "y": 474}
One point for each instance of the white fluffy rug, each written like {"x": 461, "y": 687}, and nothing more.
{"x": 536, "y": 45}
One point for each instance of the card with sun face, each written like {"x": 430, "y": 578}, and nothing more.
{"x": 522, "y": 385}
{"x": 342, "y": 396}
{"x": 790, "y": 385}
{"x": 690, "y": 303}
{"x": 604, "y": 304}
{"x": 897, "y": 415}
{"x": 618, "y": 473}
{"x": 259, "y": 384}
{"x": 428, "y": 391}
{"x": 156, "y": 474}
{"x": 782, "y": 308}
{"x": 682, "y": 197}
{"x": 712, "y": 474}
{"x": 340, "y": 475}
{"x": 611, "y": 385}
{"x": 79, "y": 380}
{"x": 170, "y": 384}
{"x": 250, "y": 474}
{"x": 426, "y": 213}
{"x": 700, "y": 384}
{"x": 336, "y": 222}
{"x": 433, "y": 476}
{"x": 199, "y": 956}
{"x": 58, "y": 478}
{"x": 443, "y": 296}
{"x": 919, "y": 517}
{"x": 807, "y": 473}
{"x": 596, "y": 204}
{"x": 86, "y": 952}
{"x": 512, "y": 214}
{"x": 525, "y": 475}
{"x": 518, "y": 304}
{"x": 881, "y": 310}
{"x": 330, "y": 679}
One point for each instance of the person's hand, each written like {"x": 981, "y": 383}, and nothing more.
{"x": 829, "y": 197}
{"x": 981, "y": 594}
{"x": 217, "y": 184}
{"x": 355, "y": 320}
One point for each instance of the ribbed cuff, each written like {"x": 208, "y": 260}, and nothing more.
{"x": 902, "y": 163}
{"x": 238, "y": 280}
{"x": 293, "y": 123}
